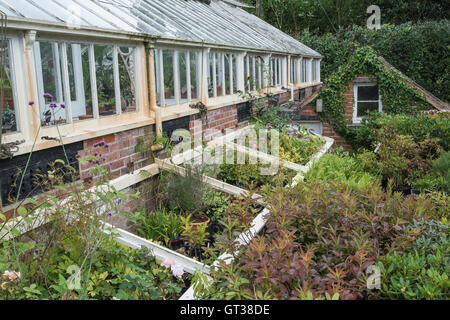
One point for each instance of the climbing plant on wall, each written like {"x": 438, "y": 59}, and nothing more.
{"x": 398, "y": 97}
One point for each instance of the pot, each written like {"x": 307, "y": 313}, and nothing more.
{"x": 198, "y": 220}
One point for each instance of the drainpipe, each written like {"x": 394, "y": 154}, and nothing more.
{"x": 152, "y": 89}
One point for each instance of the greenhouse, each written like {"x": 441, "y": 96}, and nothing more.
{"x": 190, "y": 150}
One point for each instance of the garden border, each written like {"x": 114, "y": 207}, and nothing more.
{"x": 161, "y": 253}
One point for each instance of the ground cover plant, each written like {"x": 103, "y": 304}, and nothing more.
{"x": 323, "y": 241}
{"x": 344, "y": 169}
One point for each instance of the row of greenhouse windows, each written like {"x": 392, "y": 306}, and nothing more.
{"x": 93, "y": 81}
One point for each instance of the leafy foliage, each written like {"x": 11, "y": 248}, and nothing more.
{"x": 419, "y": 50}
{"x": 319, "y": 242}
{"x": 344, "y": 170}
{"x": 423, "y": 272}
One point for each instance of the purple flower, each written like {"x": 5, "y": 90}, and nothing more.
{"x": 110, "y": 213}
{"x": 99, "y": 144}
{"x": 63, "y": 105}
{"x": 31, "y": 102}
{"x": 106, "y": 145}
{"x": 96, "y": 154}
{"x": 269, "y": 125}
{"x": 78, "y": 156}
{"x": 52, "y": 105}
{"x": 48, "y": 96}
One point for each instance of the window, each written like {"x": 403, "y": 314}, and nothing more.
{"x": 304, "y": 70}
{"x": 314, "y": 70}
{"x": 253, "y": 72}
{"x": 295, "y": 71}
{"x": 127, "y": 78}
{"x": 50, "y": 80}
{"x": 222, "y": 74}
{"x": 178, "y": 75}
{"x": 9, "y": 115}
{"x": 275, "y": 68}
{"x": 74, "y": 73}
{"x": 367, "y": 98}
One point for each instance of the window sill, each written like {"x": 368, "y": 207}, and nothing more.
{"x": 85, "y": 130}
{"x": 183, "y": 110}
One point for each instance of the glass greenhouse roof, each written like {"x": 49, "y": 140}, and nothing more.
{"x": 219, "y": 23}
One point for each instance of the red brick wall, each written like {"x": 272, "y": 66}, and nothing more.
{"x": 218, "y": 121}
{"x": 328, "y": 131}
{"x": 117, "y": 154}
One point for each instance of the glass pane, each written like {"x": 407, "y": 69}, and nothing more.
{"x": 364, "y": 107}
{"x": 9, "y": 119}
{"x": 80, "y": 79}
{"x": 158, "y": 76}
{"x": 169, "y": 84}
{"x": 292, "y": 71}
{"x": 70, "y": 67}
{"x": 52, "y": 84}
{"x": 85, "y": 105}
{"x": 234, "y": 73}
{"x": 183, "y": 76}
{"x": 304, "y": 64}
{"x": 127, "y": 67}
{"x": 220, "y": 67}
{"x": 368, "y": 93}
{"x": 104, "y": 67}
{"x": 195, "y": 76}
{"x": 227, "y": 74}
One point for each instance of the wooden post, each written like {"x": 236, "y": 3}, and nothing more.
{"x": 152, "y": 89}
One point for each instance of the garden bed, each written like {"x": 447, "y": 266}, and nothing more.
{"x": 190, "y": 217}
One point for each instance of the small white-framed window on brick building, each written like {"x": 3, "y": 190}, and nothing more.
{"x": 367, "y": 98}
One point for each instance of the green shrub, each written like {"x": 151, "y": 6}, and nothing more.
{"x": 420, "y": 126}
{"x": 158, "y": 225}
{"x": 342, "y": 169}
{"x": 423, "y": 272}
{"x": 419, "y": 50}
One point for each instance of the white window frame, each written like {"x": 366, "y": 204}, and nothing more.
{"x": 64, "y": 94}
{"x": 216, "y": 69}
{"x": 277, "y": 71}
{"x": 254, "y": 69}
{"x": 189, "y": 53}
{"x": 356, "y": 119}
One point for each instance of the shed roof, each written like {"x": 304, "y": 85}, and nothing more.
{"x": 220, "y": 22}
